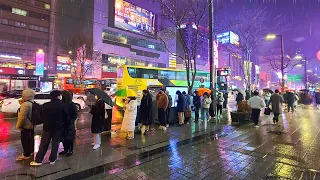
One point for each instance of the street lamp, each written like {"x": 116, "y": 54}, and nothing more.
{"x": 272, "y": 37}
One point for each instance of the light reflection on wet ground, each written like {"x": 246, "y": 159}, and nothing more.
{"x": 238, "y": 152}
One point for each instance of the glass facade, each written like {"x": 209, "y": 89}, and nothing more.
{"x": 131, "y": 40}
{"x": 110, "y": 63}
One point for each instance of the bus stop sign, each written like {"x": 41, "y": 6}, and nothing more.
{"x": 202, "y": 80}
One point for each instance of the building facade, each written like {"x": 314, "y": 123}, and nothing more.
{"x": 24, "y": 29}
{"x": 126, "y": 33}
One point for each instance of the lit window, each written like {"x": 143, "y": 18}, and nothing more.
{"x": 19, "y": 11}
{"x": 4, "y": 21}
{"x": 47, "y": 6}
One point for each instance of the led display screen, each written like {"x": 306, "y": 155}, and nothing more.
{"x": 134, "y": 18}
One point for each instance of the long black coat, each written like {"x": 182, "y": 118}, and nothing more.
{"x": 98, "y": 117}
{"x": 181, "y": 103}
{"x": 54, "y": 115}
{"x": 146, "y": 110}
{"x": 70, "y": 132}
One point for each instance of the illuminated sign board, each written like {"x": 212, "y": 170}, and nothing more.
{"x": 228, "y": 37}
{"x": 39, "y": 63}
{"x": 223, "y": 72}
{"x": 10, "y": 57}
{"x": 215, "y": 53}
{"x": 257, "y": 68}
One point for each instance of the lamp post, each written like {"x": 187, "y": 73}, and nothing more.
{"x": 305, "y": 73}
{"x": 272, "y": 37}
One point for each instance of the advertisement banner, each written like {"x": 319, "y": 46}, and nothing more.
{"x": 39, "y": 63}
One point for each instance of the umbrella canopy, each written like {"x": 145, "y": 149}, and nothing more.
{"x": 102, "y": 95}
{"x": 268, "y": 90}
{"x": 201, "y": 91}
{"x": 126, "y": 93}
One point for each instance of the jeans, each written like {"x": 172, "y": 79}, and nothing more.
{"x": 267, "y": 102}
{"x": 168, "y": 114}
{"x": 162, "y": 117}
{"x": 97, "y": 139}
{"x": 46, "y": 137}
{"x": 290, "y": 106}
{"x": 196, "y": 114}
{"x": 255, "y": 114}
{"x": 68, "y": 144}
{"x": 276, "y": 117}
{"x": 206, "y": 114}
{"x": 27, "y": 141}
{"x": 219, "y": 109}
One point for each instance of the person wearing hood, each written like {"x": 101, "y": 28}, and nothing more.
{"x": 24, "y": 125}
{"x": 55, "y": 117}
{"x": 130, "y": 115}
{"x": 69, "y": 128}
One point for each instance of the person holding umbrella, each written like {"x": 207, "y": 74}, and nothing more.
{"x": 130, "y": 115}
{"x": 97, "y": 125}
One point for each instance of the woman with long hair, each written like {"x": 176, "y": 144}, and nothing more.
{"x": 97, "y": 125}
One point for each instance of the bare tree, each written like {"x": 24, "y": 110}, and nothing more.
{"x": 177, "y": 15}
{"x": 252, "y": 26}
{"x": 272, "y": 59}
{"x": 82, "y": 54}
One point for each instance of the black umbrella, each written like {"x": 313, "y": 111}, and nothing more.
{"x": 102, "y": 95}
{"x": 268, "y": 90}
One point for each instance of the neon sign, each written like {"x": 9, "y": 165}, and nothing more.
{"x": 39, "y": 63}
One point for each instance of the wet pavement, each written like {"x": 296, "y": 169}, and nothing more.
{"x": 9, "y": 133}
{"x": 203, "y": 150}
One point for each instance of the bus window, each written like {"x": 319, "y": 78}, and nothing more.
{"x": 132, "y": 72}
{"x": 147, "y": 73}
{"x": 69, "y": 81}
{"x": 167, "y": 75}
{"x": 181, "y": 76}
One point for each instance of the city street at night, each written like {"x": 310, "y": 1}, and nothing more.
{"x": 209, "y": 150}
{"x": 159, "y": 89}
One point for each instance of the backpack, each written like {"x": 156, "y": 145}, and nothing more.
{"x": 36, "y": 114}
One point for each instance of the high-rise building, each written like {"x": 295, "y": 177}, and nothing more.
{"x": 125, "y": 31}
{"x": 25, "y": 27}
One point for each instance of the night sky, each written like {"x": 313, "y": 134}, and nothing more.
{"x": 303, "y": 15}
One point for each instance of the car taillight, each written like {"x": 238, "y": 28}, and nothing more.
{"x": 7, "y": 103}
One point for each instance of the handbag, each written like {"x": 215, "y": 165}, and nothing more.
{"x": 187, "y": 114}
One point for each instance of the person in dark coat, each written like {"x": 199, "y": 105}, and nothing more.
{"x": 239, "y": 98}
{"x": 225, "y": 96}
{"x": 69, "y": 129}
{"x": 55, "y": 117}
{"x": 276, "y": 105}
{"x": 197, "y": 105}
{"x": 187, "y": 106}
{"x": 181, "y": 107}
{"x": 291, "y": 98}
{"x": 146, "y": 111}
{"x": 97, "y": 125}
{"x": 317, "y": 98}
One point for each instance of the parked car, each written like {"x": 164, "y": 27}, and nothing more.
{"x": 11, "y": 105}
{"x": 80, "y": 96}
